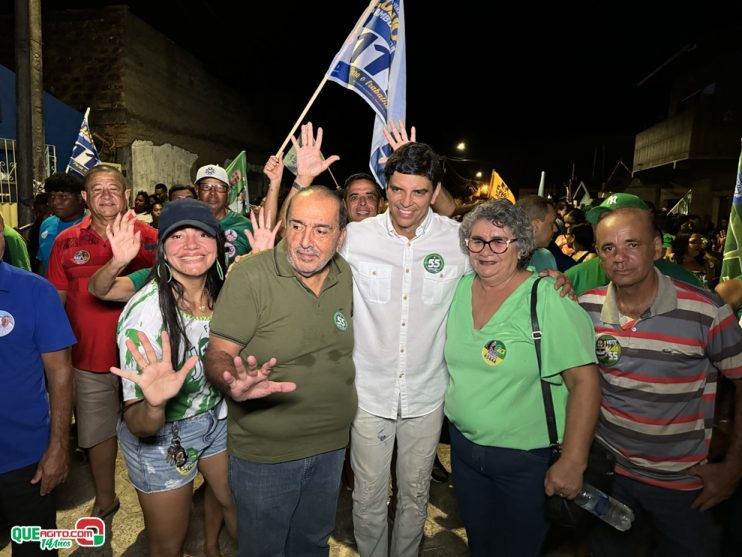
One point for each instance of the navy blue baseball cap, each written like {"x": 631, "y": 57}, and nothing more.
{"x": 187, "y": 212}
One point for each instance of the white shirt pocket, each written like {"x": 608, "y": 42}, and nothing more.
{"x": 439, "y": 287}
{"x": 375, "y": 282}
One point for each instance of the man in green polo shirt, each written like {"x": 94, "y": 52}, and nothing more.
{"x": 589, "y": 274}
{"x": 290, "y": 308}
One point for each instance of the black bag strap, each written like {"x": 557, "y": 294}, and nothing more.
{"x": 545, "y": 387}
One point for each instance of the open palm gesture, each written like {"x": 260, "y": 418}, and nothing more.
{"x": 125, "y": 243}
{"x": 309, "y": 160}
{"x": 157, "y": 379}
{"x": 251, "y": 381}
{"x": 398, "y": 137}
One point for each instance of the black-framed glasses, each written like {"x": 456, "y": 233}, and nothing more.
{"x": 219, "y": 188}
{"x": 497, "y": 245}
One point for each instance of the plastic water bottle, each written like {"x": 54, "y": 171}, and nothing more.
{"x": 605, "y": 507}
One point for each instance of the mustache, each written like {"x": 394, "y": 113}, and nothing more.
{"x": 306, "y": 251}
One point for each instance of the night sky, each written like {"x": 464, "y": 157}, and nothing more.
{"x": 528, "y": 88}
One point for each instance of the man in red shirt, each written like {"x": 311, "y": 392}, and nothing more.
{"x": 77, "y": 253}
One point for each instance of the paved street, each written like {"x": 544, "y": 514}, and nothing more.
{"x": 444, "y": 534}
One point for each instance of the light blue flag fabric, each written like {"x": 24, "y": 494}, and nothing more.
{"x": 84, "y": 154}
{"x": 372, "y": 63}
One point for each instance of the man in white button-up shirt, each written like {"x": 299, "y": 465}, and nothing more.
{"x": 406, "y": 263}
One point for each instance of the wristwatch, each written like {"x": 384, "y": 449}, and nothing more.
{"x": 297, "y": 186}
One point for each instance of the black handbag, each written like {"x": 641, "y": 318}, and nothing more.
{"x": 600, "y": 462}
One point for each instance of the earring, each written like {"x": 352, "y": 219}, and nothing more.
{"x": 219, "y": 270}
{"x": 169, "y": 273}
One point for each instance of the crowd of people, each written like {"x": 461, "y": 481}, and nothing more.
{"x": 357, "y": 325}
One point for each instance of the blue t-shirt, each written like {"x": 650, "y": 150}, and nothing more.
{"x": 32, "y": 322}
{"x": 50, "y": 229}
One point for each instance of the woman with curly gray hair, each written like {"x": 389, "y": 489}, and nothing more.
{"x": 500, "y": 453}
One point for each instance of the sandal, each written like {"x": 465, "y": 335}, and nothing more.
{"x": 105, "y": 513}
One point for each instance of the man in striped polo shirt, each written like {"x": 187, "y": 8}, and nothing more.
{"x": 661, "y": 345}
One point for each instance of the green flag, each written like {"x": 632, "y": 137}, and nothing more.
{"x": 239, "y": 200}
{"x": 732, "y": 265}
{"x": 682, "y": 207}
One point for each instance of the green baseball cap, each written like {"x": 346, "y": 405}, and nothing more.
{"x": 613, "y": 202}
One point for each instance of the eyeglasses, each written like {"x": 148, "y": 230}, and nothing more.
{"x": 219, "y": 188}
{"x": 497, "y": 245}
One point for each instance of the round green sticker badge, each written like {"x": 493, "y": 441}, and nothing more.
{"x": 191, "y": 461}
{"x": 340, "y": 321}
{"x": 607, "y": 350}
{"x": 494, "y": 352}
{"x": 434, "y": 263}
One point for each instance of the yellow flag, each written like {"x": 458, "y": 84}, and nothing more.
{"x": 499, "y": 189}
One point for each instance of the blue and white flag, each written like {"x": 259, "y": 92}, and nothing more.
{"x": 372, "y": 63}
{"x": 84, "y": 154}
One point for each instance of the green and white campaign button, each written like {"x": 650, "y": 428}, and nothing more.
{"x": 340, "y": 321}
{"x": 434, "y": 263}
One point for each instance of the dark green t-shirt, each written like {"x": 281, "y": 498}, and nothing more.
{"x": 265, "y": 308}
{"x": 234, "y": 225}
{"x": 139, "y": 278}
{"x": 590, "y": 274}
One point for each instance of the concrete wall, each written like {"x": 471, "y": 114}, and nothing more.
{"x": 171, "y": 98}
{"x": 140, "y": 87}
{"x": 153, "y": 164}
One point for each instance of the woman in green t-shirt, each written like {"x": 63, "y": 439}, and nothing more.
{"x": 499, "y": 440}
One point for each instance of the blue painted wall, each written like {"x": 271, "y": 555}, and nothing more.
{"x": 61, "y": 122}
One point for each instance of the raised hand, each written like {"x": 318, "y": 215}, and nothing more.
{"x": 398, "y": 137}
{"x": 252, "y": 381}
{"x": 274, "y": 168}
{"x": 262, "y": 237}
{"x": 309, "y": 161}
{"x": 125, "y": 243}
{"x": 158, "y": 381}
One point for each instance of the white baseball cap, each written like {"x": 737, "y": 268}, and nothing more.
{"x": 212, "y": 171}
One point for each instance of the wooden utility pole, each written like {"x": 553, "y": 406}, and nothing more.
{"x": 30, "y": 156}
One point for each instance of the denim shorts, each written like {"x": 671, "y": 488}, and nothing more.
{"x": 146, "y": 458}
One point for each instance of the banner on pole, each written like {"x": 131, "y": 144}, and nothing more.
{"x": 372, "y": 63}
{"x": 84, "y": 154}
{"x": 731, "y": 266}
{"x": 239, "y": 197}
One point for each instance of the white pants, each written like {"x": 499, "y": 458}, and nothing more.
{"x": 371, "y": 445}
